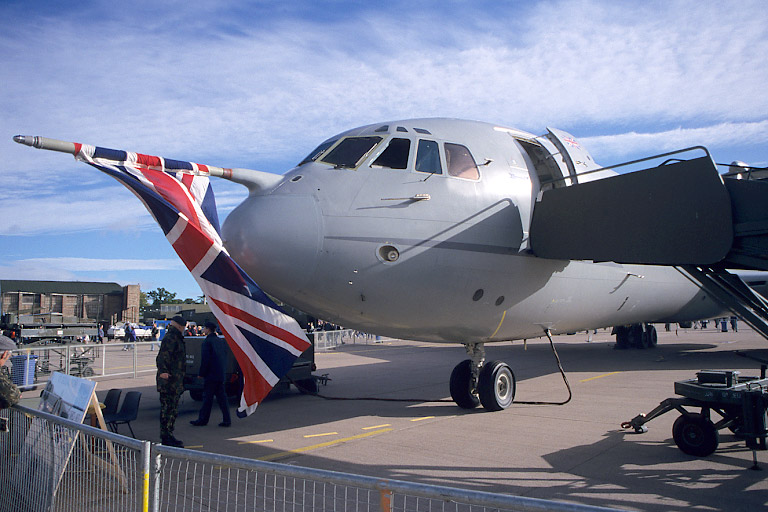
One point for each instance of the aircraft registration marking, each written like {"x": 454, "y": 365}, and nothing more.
{"x": 321, "y": 435}
{"x": 599, "y": 376}
{"x": 280, "y": 455}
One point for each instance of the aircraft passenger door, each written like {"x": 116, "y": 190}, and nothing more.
{"x": 548, "y": 166}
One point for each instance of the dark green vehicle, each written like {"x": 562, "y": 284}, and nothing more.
{"x": 299, "y": 375}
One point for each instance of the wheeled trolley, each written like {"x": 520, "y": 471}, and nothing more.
{"x": 740, "y": 402}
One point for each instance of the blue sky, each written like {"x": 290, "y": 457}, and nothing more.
{"x": 258, "y": 84}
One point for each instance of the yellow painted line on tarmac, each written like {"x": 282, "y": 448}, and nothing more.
{"x": 258, "y": 441}
{"x": 422, "y": 419}
{"x": 599, "y": 376}
{"x": 377, "y": 426}
{"x": 321, "y": 435}
{"x": 194, "y": 446}
{"x": 280, "y": 455}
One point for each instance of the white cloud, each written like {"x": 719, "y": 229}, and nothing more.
{"x": 712, "y": 137}
{"x": 103, "y": 264}
{"x": 257, "y": 97}
{"x": 66, "y": 269}
{"x": 31, "y": 213}
{"x": 234, "y": 89}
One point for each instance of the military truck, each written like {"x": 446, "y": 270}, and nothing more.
{"x": 300, "y": 375}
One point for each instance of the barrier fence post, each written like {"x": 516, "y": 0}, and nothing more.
{"x": 135, "y": 360}
{"x": 156, "y": 469}
{"x": 145, "y": 470}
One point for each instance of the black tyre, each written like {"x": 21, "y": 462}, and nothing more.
{"x": 496, "y": 386}
{"x": 622, "y": 337}
{"x": 652, "y": 336}
{"x": 461, "y": 386}
{"x": 635, "y": 337}
{"x": 695, "y": 435}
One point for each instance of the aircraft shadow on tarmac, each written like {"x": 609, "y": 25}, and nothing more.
{"x": 397, "y": 385}
{"x": 420, "y": 371}
{"x": 669, "y": 479}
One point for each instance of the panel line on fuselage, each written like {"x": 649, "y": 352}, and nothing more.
{"x": 437, "y": 244}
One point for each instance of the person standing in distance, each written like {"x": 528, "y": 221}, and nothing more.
{"x": 171, "y": 368}
{"x": 9, "y": 393}
{"x": 213, "y": 357}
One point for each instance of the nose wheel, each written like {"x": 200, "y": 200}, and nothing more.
{"x": 474, "y": 382}
{"x": 496, "y": 387}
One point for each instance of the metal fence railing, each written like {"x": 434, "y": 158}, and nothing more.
{"x": 327, "y": 340}
{"x": 102, "y": 471}
{"x": 34, "y": 364}
{"x": 48, "y": 463}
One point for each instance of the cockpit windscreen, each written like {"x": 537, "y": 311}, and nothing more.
{"x": 396, "y": 154}
{"x": 319, "y": 150}
{"x": 351, "y": 151}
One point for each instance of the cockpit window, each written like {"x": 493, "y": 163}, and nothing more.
{"x": 428, "y": 157}
{"x": 395, "y": 156}
{"x": 350, "y": 151}
{"x": 319, "y": 150}
{"x": 460, "y": 162}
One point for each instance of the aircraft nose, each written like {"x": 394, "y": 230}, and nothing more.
{"x": 276, "y": 240}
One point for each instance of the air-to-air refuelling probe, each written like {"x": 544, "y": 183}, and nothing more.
{"x": 454, "y": 231}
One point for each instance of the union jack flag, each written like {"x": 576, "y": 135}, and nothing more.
{"x": 264, "y": 340}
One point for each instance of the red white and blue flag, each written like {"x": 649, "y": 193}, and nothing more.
{"x": 264, "y": 340}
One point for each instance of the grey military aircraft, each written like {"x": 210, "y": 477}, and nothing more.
{"x": 454, "y": 231}
{"x": 421, "y": 229}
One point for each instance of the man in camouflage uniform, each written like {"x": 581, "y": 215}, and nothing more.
{"x": 171, "y": 368}
{"x": 9, "y": 393}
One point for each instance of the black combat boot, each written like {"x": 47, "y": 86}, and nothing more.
{"x": 172, "y": 441}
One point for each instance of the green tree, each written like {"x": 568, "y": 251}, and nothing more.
{"x": 163, "y": 296}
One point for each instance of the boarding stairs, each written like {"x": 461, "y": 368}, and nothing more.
{"x": 681, "y": 213}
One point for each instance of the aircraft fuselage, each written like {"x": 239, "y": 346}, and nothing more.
{"x": 419, "y": 229}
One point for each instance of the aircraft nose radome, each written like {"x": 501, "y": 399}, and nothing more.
{"x": 276, "y": 239}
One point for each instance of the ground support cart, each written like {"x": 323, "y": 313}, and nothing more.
{"x": 741, "y": 403}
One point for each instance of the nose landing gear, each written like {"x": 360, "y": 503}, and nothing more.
{"x": 475, "y": 382}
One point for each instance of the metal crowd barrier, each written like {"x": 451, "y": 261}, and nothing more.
{"x": 49, "y": 463}
{"x": 33, "y": 364}
{"x": 328, "y": 340}
{"x": 109, "y": 472}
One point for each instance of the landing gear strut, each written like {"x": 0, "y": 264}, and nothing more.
{"x": 474, "y": 381}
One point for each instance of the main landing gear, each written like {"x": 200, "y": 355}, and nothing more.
{"x": 474, "y": 381}
{"x": 635, "y": 336}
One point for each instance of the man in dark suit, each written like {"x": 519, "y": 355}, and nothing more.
{"x": 213, "y": 357}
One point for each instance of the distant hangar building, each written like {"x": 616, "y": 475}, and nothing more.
{"x": 70, "y": 301}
